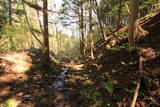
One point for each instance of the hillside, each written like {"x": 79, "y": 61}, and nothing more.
{"x": 112, "y": 76}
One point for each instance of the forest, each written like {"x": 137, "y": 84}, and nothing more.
{"x": 79, "y": 53}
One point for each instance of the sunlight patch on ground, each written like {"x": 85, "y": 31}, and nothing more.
{"x": 77, "y": 77}
{"x": 8, "y": 78}
{"x": 20, "y": 68}
{"x": 21, "y": 62}
{"x": 4, "y": 91}
{"x": 75, "y": 67}
{"x": 15, "y": 66}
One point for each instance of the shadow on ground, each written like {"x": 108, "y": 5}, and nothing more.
{"x": 24, "y": 82}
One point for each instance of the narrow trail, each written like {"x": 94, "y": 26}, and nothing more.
{"x": 60, "y": 93}
{"x": 67, "y": 83}
{"x": 24, "y": 82}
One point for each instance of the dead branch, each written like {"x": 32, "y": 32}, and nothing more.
{"x": 139, "y": 82}
{"x": 30, "y": 26}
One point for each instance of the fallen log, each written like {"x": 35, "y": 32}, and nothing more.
{"x": 147, "y": 24}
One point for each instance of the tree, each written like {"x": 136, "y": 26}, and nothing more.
{"x": 91, "y": 32}
{"x": 10, "y": 23}
{"x": 82, "y": 28}
{"x": 45, "y": 33}
{"x": 73, "y": 12}
{"x": 10, "y": 12}
{"x": 29, "y": 26}
{"x": 133, "y": 23}
{"x": 119, "y": 15}
{"x": 97, "y": 11}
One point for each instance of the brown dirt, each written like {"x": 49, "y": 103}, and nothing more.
{"x": 23, "y": 79}
{"x": 120, "y": 65}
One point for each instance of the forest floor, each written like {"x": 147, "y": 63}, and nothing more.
{"x": 110, "y": 79}
{"x": 24, "y": 82}
{"x": 107, "y": 81}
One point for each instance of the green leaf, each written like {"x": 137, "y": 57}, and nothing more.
{"x": 109, "y": 87}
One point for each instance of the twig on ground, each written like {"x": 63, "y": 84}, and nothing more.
{"x": 139, "y": 82}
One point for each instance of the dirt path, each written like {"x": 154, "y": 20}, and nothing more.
{"x": 74, "y": 83}
{"x": 25, "y": 83}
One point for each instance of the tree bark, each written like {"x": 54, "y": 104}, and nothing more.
{"x": 119, "y": 15}
{"x": 91, "y": 32}
{"x": 133, "y": 24}
{"x": 10, "y": 23}
{"x": 27, "y": 20}
{"x": 45, "y": 33}
{"x": 38, "y": 16}
{"x": 99, "y": 20}
{"x": 10, "y": 12}
{"x": 82, "y": 29}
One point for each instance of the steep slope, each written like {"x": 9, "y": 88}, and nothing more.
{"x": 110, "y": 79}
{"x": 148, "y": 25}
{"x": 118, "y": 63}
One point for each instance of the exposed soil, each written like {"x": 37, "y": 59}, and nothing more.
{"x": 120, "y": 65}
{"x": 25, "y": 83}
{"x": 24, "y": 80}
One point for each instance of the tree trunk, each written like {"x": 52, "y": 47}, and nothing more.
{"x": 27, "y": 20}
{"x": 119, "y": 15}
{"x": 99, "y": 20}
{"x": 32, "y": 42}
{"x": 133, "y": 24}
{"x": 45, "y": 34}
{"x": 10, "y": 12}
{"x": 39, "y": 21}
{"x": 105, "y": 12}
{"x": 58, "y": 40}
{"x": 91, "y": 32}
{"x": 82, "y": 30}
{"x": 10, "y": 23}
